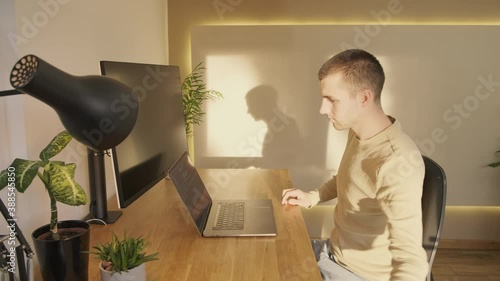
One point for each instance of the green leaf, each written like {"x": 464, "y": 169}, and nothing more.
{"x": 124, "y": 254}
{"x": 123, "y": 258}
{"x": 25, "y": 171}
{"x": 194, "y": 94}
{"x": 57, "y": 144}
{"x": 3, "y": 179}
{"x": 63, "y": 185}
{"x": 494, "y": 165}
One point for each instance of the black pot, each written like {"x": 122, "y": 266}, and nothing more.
{"x": 67, "y": 259}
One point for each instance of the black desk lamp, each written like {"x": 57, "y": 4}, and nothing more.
{"x": 87, "y": 107}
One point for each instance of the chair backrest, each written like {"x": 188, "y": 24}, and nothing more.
{"x": 433, "y": 206}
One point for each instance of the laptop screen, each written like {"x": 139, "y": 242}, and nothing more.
{"x": 188, "y": 183}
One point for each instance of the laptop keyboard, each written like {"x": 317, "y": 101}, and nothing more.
{"x": 230, "y": 216}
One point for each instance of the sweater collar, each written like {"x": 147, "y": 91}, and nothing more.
{"x": 383, "y": 135}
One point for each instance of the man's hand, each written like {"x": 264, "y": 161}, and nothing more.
{"x": 295, "y": 197}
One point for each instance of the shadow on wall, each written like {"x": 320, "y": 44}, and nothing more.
{"x": 282, "y": 141}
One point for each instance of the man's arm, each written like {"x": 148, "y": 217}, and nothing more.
{"x": 399, "y": 196}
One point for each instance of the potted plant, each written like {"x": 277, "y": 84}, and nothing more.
{"x": 60, "y": 246}
{"x": 194, "y": 94}
{"x": 123, "y": 259}
{"x": 495, "y": 164}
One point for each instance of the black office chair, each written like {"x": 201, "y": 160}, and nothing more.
{"x": 433, "y": 207}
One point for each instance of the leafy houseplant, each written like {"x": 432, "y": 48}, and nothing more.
{"x": 122, "y": 256}
{"x": 59, "y": 241}
{"x": 495, "y": 164}
{"x": 57, "y": 177}
{"x": 194, "y": 93}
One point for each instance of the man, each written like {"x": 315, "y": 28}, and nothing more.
{"x": 378, "y": 217}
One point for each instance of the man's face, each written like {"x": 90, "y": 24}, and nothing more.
{"x": 338, "y": 104}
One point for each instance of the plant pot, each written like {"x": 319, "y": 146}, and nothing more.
{"x": 66, "y": 259}
{"x": 137, "y": 274}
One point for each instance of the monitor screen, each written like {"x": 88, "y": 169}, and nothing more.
{"x": 158, "y": 138}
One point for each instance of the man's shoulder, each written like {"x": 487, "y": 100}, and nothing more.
{"x": 402, "y": 151}
{"x": 404, "y": 162}
{"x": 402, "y": 143}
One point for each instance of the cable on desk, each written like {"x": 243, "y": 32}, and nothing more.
{"x": 98, "y": 220}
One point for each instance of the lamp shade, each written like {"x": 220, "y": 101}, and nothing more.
{"x": 97, "y": 111}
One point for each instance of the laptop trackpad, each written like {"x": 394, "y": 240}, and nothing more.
{"x": 260, "y": 220}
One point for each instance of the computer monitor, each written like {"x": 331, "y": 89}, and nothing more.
{"x": 158, "y": 137}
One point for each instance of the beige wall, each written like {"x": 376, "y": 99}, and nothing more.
{"x": 184, "y": 15}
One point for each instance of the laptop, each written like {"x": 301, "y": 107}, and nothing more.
{"x": 220, "y": 218}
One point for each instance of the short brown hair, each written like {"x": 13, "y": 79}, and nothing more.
{"x": 359, "y": 69}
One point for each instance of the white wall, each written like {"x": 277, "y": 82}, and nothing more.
{"x": 74, "y": 36}
{"x": 12, "y": 136}
{"x": 11, "y": 129}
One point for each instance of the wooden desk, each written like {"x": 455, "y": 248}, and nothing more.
{"x": 184, "y": 255}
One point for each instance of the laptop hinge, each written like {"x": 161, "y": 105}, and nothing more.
{"x": 205, "y": 219}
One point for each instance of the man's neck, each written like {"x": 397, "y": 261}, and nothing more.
{"x": 371, "y": 124}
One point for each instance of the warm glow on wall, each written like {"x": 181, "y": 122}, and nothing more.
{"x": 481, "y": 222}
{"x": 233, "y": 76}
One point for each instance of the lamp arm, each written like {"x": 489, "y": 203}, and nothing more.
{"x": 10, "y": 93}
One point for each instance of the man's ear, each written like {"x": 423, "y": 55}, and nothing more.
{"x": 366, "y": 97}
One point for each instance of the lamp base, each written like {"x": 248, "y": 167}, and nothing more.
{"x": 112, "y": 217}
